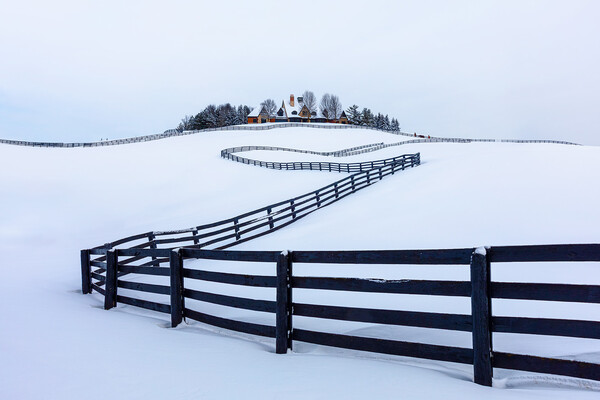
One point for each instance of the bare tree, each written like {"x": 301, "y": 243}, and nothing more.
{"x": 270, "y": 107}
{"x": 309, "y": 100}
{"x": 335, "y": 107}
{"x": 186, "y": 123}
{"x": 330, "y": 106}
{"x": 325, "y": 105}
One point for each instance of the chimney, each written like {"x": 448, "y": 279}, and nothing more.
{"x": 292, "y": 100}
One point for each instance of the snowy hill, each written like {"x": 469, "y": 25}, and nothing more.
{"x": 58, "y": 201}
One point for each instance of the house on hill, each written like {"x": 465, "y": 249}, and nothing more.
{"x": 292, "y": 111}
{"x": 259, "y": 116}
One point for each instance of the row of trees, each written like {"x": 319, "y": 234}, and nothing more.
{"x": 366, "y": 117}
{"x": 215, "y": 116}
{"x": 330, "y": 107}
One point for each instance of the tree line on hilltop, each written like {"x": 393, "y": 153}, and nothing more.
{"x": 366, "y": 117}
{"x": 214, "y": 116}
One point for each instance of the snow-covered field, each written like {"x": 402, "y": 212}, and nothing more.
{"x": 57, "y": 344}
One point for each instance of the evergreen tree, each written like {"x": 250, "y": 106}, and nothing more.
{"x": 378, "y": 121}
{"x": 353, "y": 114}
{"x": 241, "y": 115}
{"x": 386, "y": 123}
{"x": 367, "y": 117}
{"x": 200, "y": 121}
{"x": 216, "y": 116}
{"x": 226, "y": 115}
{"x": 210, "y": 116}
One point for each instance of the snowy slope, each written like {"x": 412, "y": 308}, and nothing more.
{"x": 58, "y": 344}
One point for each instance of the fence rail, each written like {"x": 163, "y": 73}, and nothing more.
{"x": 160, "y": 272}
{"x": 481, "y": 322}
{"x": 318, "y": 166}
{"x": 258, "y": 127}
{"x": 241, "y": 228}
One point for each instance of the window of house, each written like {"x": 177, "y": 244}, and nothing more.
{"x": 294, "y": 112}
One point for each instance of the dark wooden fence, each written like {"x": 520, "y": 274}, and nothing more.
{"x": 161, "y": 273}
{"x": 102, "y": 271}
{"x": 404, "y": 160}
{"x": 241, "y": 228}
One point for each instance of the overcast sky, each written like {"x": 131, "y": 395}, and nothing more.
{"x": 85, "y": 70}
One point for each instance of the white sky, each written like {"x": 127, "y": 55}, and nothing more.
{"x": 85, "y": 70}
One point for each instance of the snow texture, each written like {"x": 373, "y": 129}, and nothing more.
{"x": 58, "y": 344}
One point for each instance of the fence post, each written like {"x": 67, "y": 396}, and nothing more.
{"x": 293, "y": 208}
{"x": 86, "y": 273}
{"x": 237, "y": 229}
{"x": 194, "y": 234}
{"x": 151, "y": 238}
{"x": 481, "y": 310}
{"x": 110, "y": 295}
{"x": 283, "y": 326}
{"x": 176, "y": 274}
{"x": 270, "y": 218}
{"x": 352, "y": 179}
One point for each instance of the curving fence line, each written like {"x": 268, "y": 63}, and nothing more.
{"x": 152, "y": 271}
{"x": 174, "y": 132}
{"x": 241, "y": 228}
{"x": 317, "y": 165}
{"x": 261, "y": 127}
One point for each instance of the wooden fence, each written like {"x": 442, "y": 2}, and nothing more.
{"x": 103, "y": 268}
{"x": 258, "y": 127}
{"x": 404, "y": 160}
{"x": 241, "y": 228}
{"x": 150, "y": 256}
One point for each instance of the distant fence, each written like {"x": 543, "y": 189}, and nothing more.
{"x": 259, "y": 127}
{"x": 402, "y": 161}
{"x": 103, "y": 270}
{"x": 174, "y": 132}
{"x": 241, "y": 228}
